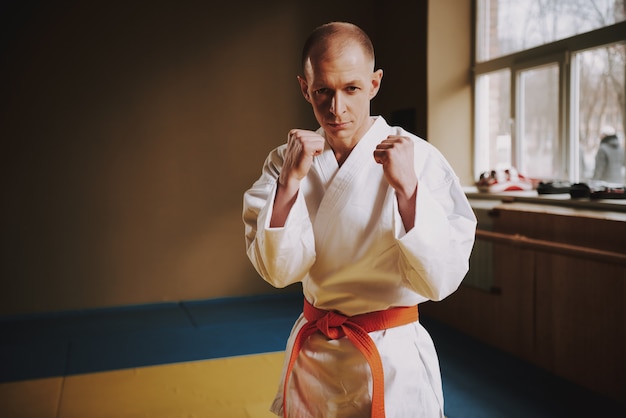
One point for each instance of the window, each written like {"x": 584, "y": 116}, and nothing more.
{"x": 538, "y": 116}
{"x": 493, "y": 123}
{"x": 598, "y": 86}
{"x": 549, "y": 84}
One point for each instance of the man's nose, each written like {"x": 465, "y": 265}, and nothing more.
{"x": 336, "y": 104}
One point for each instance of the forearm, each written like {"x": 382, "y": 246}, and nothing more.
{"x": 406, "y": 207}
{"x": 286, "y": 194}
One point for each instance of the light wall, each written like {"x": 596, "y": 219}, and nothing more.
{"x": 131, "y": 132}
{"x": 450, "y": 83}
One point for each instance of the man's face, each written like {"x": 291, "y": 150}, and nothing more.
{"x": 339, "y": 84}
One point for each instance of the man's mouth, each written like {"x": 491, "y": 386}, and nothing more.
{"x": 338, "y": 124}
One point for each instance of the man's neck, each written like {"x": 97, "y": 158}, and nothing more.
{"x": 343, "y": 147}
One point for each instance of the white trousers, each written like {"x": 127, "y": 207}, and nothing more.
{"x": 332, "y": 379}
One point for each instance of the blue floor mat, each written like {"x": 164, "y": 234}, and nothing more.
{"x": 238, "y": 310}
{"x": 480, "y": 381}
{"x": 33, "y": 359}
{"x": 93, "y": 322}
{"x": 109, "y": 339}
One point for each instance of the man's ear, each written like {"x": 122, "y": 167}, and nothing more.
{"x": 377, "y": 77}
{"x": 304, "y": 88}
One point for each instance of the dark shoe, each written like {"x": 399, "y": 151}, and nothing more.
{"x": 608, "y": 193}
{"x": 579, "y": 190}
{"x": 554, "y": 187}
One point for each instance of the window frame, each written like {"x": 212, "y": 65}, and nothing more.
{"x": 559, "y": 52}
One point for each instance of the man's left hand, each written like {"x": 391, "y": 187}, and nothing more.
{"x": 396, "y": 156}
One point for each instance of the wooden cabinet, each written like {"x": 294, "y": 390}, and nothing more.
{"x": 557, "y": 295}
{"x": 580, "y": 325}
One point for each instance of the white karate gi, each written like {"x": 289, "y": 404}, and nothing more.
{"x": 344, "y": 240}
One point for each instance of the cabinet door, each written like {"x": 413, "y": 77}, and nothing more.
{"x": 581, "y": 321}
{"x": 512, "y": 327}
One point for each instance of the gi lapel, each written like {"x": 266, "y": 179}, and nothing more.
{"x": 341, "y": 186}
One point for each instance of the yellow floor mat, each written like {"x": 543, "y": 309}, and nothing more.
{"x": 31, "y": 398}
{"x": 234, "y": 387}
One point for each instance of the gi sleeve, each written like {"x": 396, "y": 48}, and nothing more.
{"x": 435, "y": 253}
{"x": 282, "y": 256}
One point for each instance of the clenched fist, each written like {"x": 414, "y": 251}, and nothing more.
{"x": 396, "y": 156}
{"x": 302, "y": 146}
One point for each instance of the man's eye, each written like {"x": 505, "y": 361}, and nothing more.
{"x": 321, "y": 91}
{"x": 352, "y": 89}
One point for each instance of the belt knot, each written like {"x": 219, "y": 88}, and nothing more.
{"x": 331, "y": 325}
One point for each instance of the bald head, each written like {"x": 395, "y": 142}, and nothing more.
{"x": 335, "y": 36}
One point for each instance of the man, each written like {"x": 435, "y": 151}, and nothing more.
{"x": 372, "y": 220}
{"x": 609, "y": 158}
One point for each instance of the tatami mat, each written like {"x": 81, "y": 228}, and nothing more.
{"x": 222, "y": 358}
{"x": 118, "y": 338}
{"x": 234, "y": 387}
{"x": 37, "y": 398}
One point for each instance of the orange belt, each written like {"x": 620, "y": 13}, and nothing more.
{"x": 334, "y": 326}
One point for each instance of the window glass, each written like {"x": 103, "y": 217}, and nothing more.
{"x": 538, "y": 117}
{"x": 599, "y": 90}
{"x": 550, "y": 90}
{"x": 493, "y": 116}
{"x": 508, "y": 26}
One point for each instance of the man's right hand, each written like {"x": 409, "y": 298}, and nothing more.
{"x": 302, "y": 146}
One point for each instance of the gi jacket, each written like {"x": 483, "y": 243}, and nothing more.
{"x": 344, "y": 238}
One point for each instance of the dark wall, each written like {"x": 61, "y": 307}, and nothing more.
{"x": 130, "y": 131}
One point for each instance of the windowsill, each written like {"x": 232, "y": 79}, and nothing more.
{"x": 562, "y": 200}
